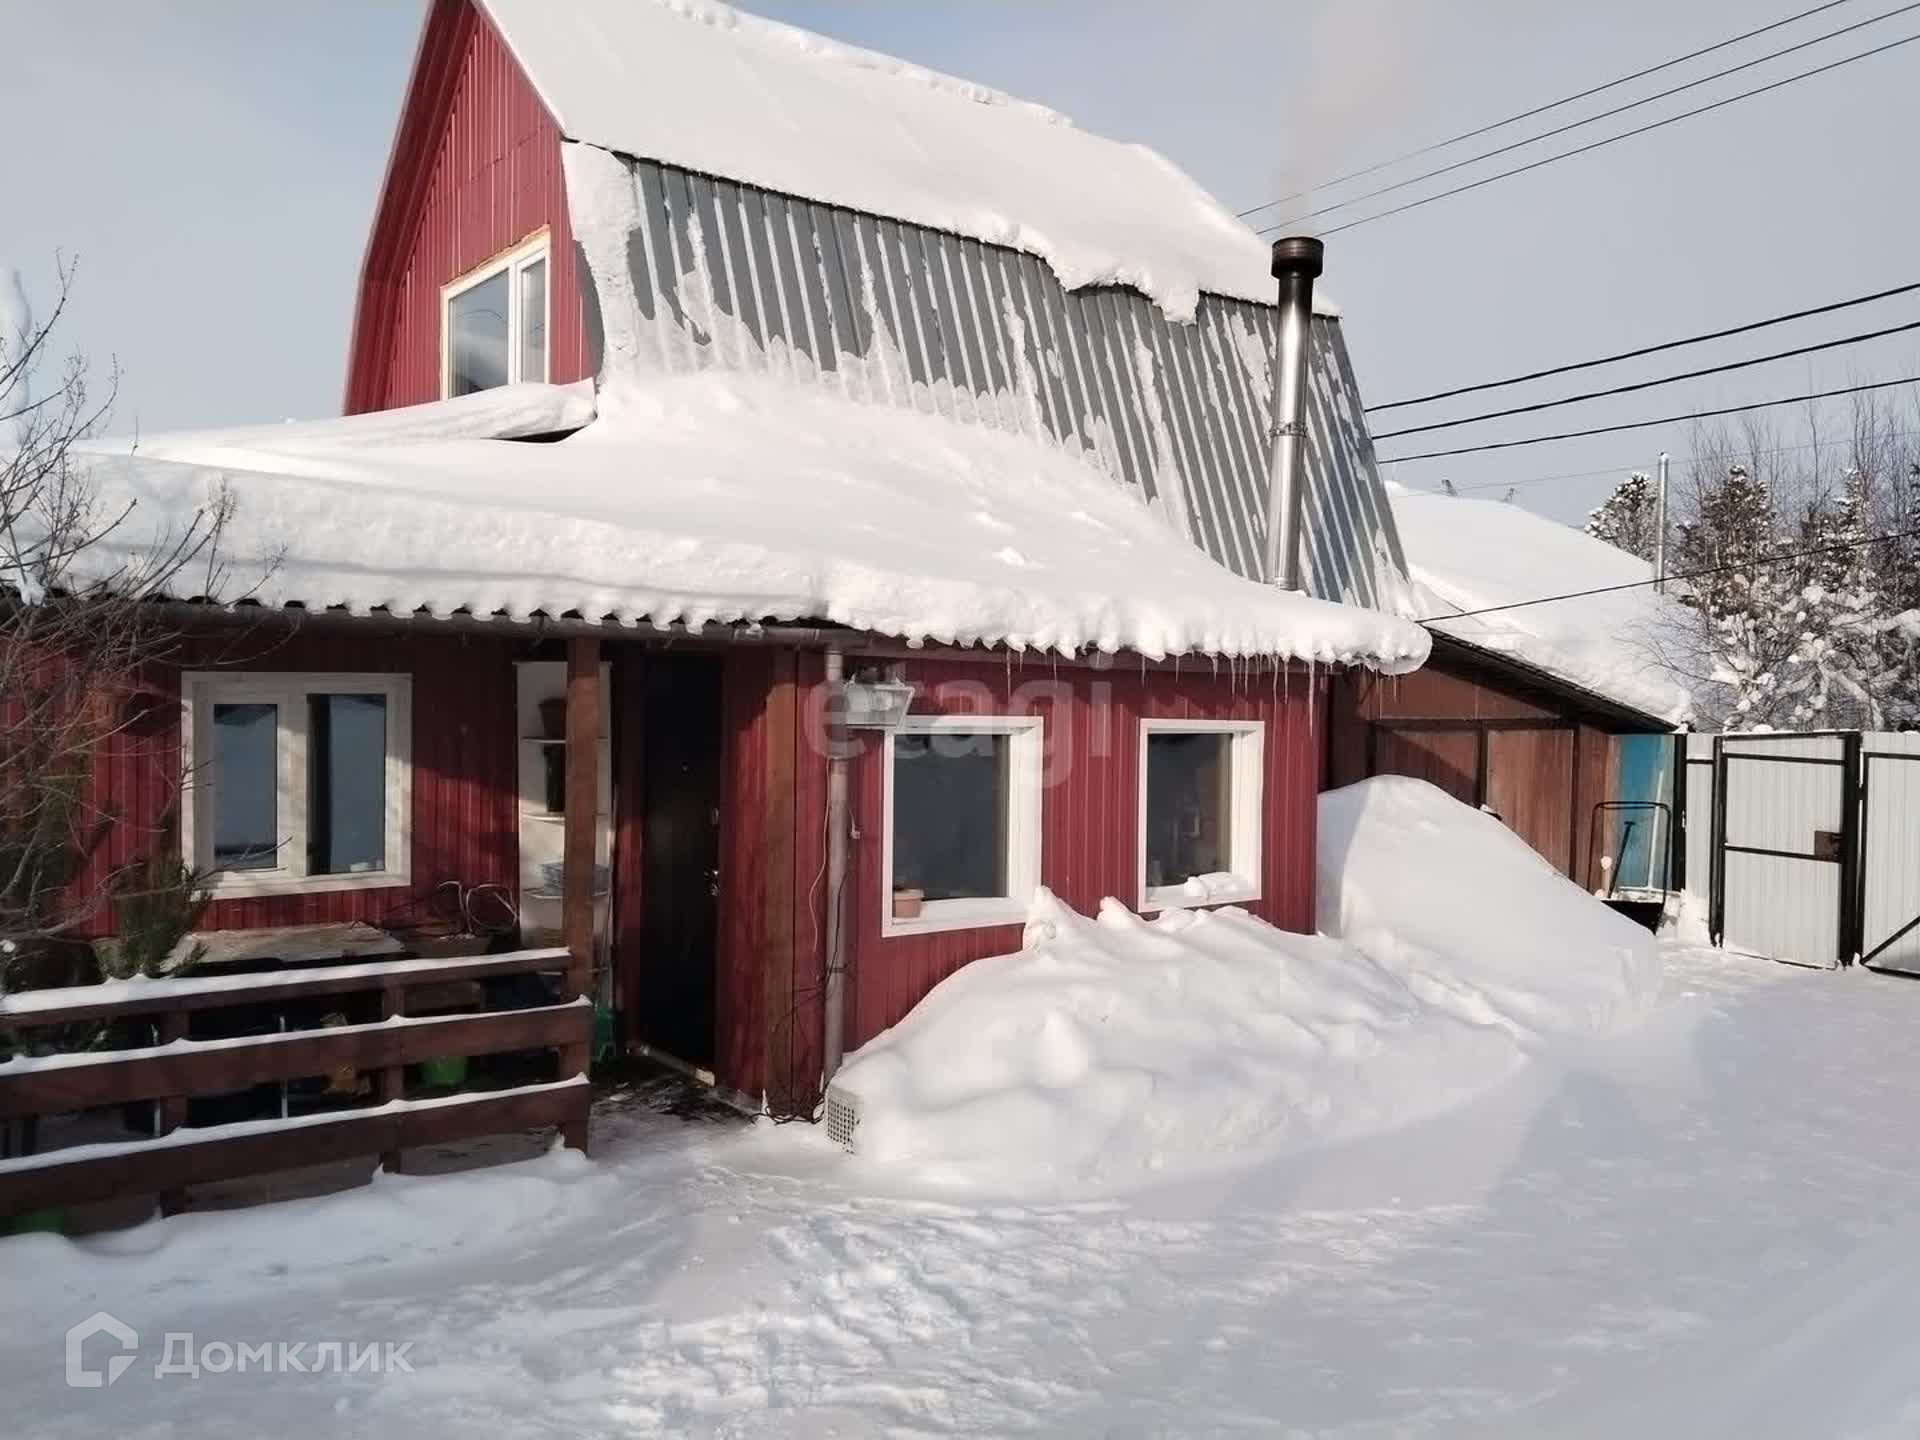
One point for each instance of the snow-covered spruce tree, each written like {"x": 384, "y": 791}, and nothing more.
{"x": 1747, "y": 635}
{"x": 1839, "y": 675}
{"x": 77, "y": 635}
{"x": 1629, "y": 518}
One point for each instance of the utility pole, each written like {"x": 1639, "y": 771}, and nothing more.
{"x": 1660, "y": 536}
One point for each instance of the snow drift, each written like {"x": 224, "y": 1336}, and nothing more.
{"x": 1115, "y": 1050}
{"x": 1472, "y": 919}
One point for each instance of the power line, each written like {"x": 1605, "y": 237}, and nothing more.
{"x": 1631, "y": 466}
{"x": 1542, "y": 109}
{"x": 1649, "y": 349}
{"x": 1636, "y": 385}
{"x": 1760, "y": 564}
{"x": 1650, "y": 424}
{"x": 1610, "y": 139}
{"x": 1593, "y": 119}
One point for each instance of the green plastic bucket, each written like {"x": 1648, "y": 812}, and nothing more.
{"x": 443, "y": 1072}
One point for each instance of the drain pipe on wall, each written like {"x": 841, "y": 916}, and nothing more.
{"x": 1297, "y": 261}
{"x": 833, "y": 1031}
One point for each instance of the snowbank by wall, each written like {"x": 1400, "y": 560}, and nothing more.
{"x": 1472, "y": 919}
{"x": 1115, "y": 1050}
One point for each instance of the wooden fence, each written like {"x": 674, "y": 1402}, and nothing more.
{"x": 177, "y": 1068}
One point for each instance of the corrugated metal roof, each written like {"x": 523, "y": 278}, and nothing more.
{"x": 733, "y": 276}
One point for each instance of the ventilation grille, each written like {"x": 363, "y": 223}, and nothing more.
{"x": 843, "y": 1118}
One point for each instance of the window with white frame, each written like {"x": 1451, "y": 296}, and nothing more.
{"x": 1200, "y": 784}
{"x": 297, "y": 782}
{"x": 962, "y": 804}
{"x": 493, "y": 322}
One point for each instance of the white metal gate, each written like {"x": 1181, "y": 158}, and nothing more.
{"x": 1890, "y": 852}
{"x": 1785, "y": 845}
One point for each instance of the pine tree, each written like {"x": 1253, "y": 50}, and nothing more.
{"x": 1629, "y": 519}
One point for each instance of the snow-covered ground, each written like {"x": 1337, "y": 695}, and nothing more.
{"x": 1695, "y": 1228}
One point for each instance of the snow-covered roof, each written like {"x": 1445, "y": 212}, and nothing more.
{"x": 1471, "y": 554}
{"x": 700, "y": 85}
{"x": 720, "y": 497}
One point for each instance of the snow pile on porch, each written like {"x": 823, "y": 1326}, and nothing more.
{"x": 703, "y": 86}
{"x": 719, "y": 498}
{"x": 1466, "y": 555}
{"x": 1116, "y": 1050}
{"x": 1472, "y": 919}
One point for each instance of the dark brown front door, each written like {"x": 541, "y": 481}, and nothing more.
{"x": 680, "y": 855}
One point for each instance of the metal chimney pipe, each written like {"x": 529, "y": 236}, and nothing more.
{"x": 1297, "y": 261}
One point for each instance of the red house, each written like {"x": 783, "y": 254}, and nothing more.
{"x": 877, "y": 468}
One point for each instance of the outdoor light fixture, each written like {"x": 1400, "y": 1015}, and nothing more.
{"x": 874, "y": 700}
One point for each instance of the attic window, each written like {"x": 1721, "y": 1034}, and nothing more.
{"x": 493, "y": 322}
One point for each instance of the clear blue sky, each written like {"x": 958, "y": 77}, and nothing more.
{"x": 213, "y": 166}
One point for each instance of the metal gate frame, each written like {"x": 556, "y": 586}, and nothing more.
{"x": 1847, "y": 940}
{"x": 1863, "y": 955}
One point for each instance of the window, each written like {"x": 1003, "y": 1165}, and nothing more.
{"x": 962, "y": 841}
{"x": 297, "y": 782}
{"x": 1199, "y": 812}
{"x": 494, "y": 325}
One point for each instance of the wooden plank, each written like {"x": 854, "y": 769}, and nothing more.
{"x": 354, "y": 939}
{"x": 159, "y": 997}
{"x": 116, "y": 1077}
{"x": 579, "y": 850}
{"x": 93, "y": 1173}
{"x": 171, "y": 1113}
{"x": 390, "y": 1083}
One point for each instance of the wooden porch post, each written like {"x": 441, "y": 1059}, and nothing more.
{"x": 583, "y": 804}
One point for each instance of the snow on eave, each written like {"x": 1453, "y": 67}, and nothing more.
{"x": 702, "y": 87}
{"x": 725, "y": 499}
{"x": 1480, "y": 555}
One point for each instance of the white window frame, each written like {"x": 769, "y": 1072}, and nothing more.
{"x": 202, "y": 690}
{"x": 1244, "y": 819}
{"x": 526, "y": 253}
{"x": 1026, "y": 763}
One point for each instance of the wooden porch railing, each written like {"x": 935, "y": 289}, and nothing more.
{"x": 176, "y": 1069}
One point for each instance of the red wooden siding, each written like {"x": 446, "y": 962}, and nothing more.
{"x": 1526, "y": 754}
{"x": 464, "y": 779}
{"x": 1089, "y": 827}
{"x": 475, "y": 170}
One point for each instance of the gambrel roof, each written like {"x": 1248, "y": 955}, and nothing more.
{"x": 711, "y": 90}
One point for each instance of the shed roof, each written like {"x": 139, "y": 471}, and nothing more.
{"x": 701, "y": 86}
{"x": 1473, "y": 554}
{"x": 718, "y": 497}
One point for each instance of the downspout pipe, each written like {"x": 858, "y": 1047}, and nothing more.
{"x": 1297, "y": 262}
{"x": 833, "y": 1029}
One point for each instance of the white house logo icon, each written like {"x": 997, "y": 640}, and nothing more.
{"x": 79, "y": 1376}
